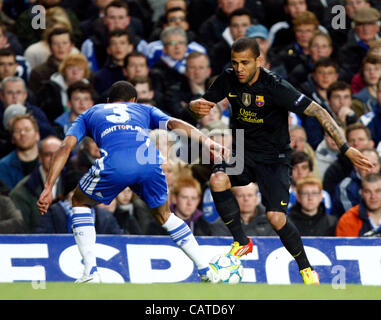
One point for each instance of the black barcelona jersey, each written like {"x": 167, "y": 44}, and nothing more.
{"x": 261, "y": 109}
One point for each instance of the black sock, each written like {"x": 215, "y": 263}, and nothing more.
{"x": 291, "y": 240}
{"x": 228, "y": 209}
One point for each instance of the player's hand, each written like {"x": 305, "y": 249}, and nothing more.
{"x": 201, "y": 107}
{"x": 44, "y": 201}
{"x": 217, "y": 151}
{"x": 358, "y": 159}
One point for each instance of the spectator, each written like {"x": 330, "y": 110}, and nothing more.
{"x": 96, "y": 14}
{"x": 12, "y": 65}
{"x": 161, "y": 7}
{"x": 9, "y": 41}
{"x": 326, "y": 154}
{"x": 372, "y": 119}
{"x": 319, "y": 46}
{"x": 58, "y": 219}
{"x": 308, "y": 213}
{"x": 156, "y": 50}
{"x": 85, "y": 156}
{"x": 371, "y": 73}
{"x": 344, "y": 108}
{"x": 239, "y": 20}
{"x": 135, "y": 64}
{"x": 347, "y": 192}
{"x": 11, "y": 220}
{"x": 144, "y": 89}
{"x": 298, "y": 142}
{"x": 366, "y": 29}
{"x": 131, "y": 213}
{"x": 364, "y": 218}
{"x": 279, "y": 34}
{"x": 21, "y": 162}
{"x": 253, "y": 215}
{"x": 14, "y": 91}
{"x": 261, "y": 34}
{"x": 213, "y": 119}
{"x": 52, "y": 97}
{"x": 359, "y": 137}
{"x": 297, "y": 52}
{"x": 186, "y": 195}
{"x": 60, "y": 42}
{"x": 26, "y": 193}
{"x": 119, "y": 46}
{"x": 39, "y": 52}
{"x": 211, "y": 30}
{"x": 170, "y": 68}
{"x": 192, "y": 86}
{"x": 357, "y": 82}
{"x": 29, "y": 35}
{"x": 116, "y": 16}
{"x": 325, "y": 72}
{"x": 302, "y": 167}
{"x": 80, "y": 98}
{"x": 174, "y": 16}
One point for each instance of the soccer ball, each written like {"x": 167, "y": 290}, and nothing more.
{"x": 228, "y": 267}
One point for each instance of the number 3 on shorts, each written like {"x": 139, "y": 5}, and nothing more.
{"x": 120, "y": 113}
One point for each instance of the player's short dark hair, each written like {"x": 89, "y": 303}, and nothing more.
{"x": 240, "y": 12}
{"x": 117, "y": 4}
{"x": 119, "y": 33}
{"x": 122, "y": 91}
{"x": 80, "y": 86}
{"x": 132, "y": 54}
{"x": 299, "y": 157}
{"x": 59, "y": 31}
{"x": 325, "y": 63}
{"x": 357, "y": 126}
{"x": 142, "y": 79}
{"x": 371, "y": 178}
{"x": 338, "y": 86}
{"x": 245, "y": 43}
{"x": 6, "y": 52}
{"x": 175, "y": 9}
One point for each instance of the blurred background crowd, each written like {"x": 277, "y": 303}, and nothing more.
{"x": 59, "y": 57}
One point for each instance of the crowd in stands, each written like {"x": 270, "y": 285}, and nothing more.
{"x": 171, "y": 51}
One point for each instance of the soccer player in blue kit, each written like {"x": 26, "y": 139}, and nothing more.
{"x": 120, "y": 129}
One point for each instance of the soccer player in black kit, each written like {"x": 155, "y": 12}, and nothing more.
{"x": 260, "y": 102}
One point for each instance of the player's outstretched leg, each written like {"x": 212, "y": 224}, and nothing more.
{"x": 182, "y": 235}
{"x": 228, "y": 209}
{"x": 85, "y": 237}
{"x": 290, "y": 237}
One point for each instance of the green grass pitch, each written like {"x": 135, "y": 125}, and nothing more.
{"x": 183, "y": 291}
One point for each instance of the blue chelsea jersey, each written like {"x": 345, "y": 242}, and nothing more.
{"x": 118, "y": 124}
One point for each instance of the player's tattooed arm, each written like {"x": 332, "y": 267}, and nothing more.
{"x": 327, "y": 122}
{"x": 331, "y": 127}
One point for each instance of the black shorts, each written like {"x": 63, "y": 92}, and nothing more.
{"x": 273, "y": 180}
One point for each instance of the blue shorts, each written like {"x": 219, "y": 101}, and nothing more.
{"x": 120, "y": 169}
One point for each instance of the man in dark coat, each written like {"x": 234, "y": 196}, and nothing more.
{"x": 308, "y": 213}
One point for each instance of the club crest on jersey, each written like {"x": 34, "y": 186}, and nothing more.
{"x": 246, "y": 99}
{"x": 259, "y": 101}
